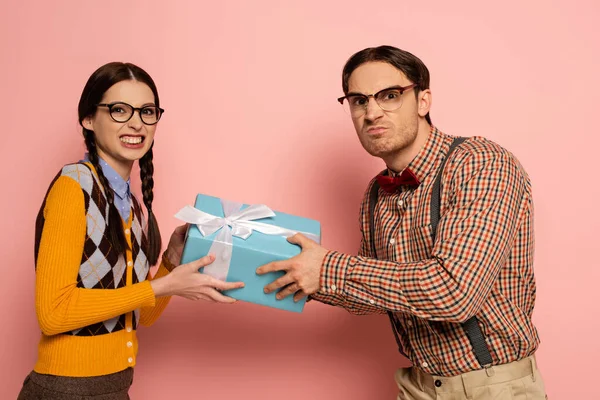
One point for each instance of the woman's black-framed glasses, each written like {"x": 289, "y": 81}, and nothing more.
{"x": 122, "y": 112}
{"x": 388, "y": 99}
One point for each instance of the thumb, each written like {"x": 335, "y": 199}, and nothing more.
{"x": 199, "y": 263}
{"x": 300, "y": 240}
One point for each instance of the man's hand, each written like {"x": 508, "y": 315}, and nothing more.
{"x": 303, "y": 272}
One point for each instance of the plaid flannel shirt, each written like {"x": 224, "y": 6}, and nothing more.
{"x": 481, "y": 262}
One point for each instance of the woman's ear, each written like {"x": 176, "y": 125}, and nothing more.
{"x": 88, "y": 123}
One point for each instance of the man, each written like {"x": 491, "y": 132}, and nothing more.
{"x": 458, "y": 283}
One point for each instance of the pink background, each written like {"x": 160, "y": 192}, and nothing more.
{"x": 249, "y": 89}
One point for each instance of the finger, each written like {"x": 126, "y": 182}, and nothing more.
{"x": 202, "y": 262}
{"x": 221, "y": 285}
{"x": 196, "y": 296}
{"x": 299, "y": 296}
{"x": 205, "y": 298}
{"x": 279, "y": 283}
{"x": 288, "y": 290}
{"x": 300, "y": 240}
{"x": 217, "y": 296}
{"x": 283, "y": 265}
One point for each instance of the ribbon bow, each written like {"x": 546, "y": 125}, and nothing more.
{"x": 391, "y": 183}
{"x": 236, "y": 222}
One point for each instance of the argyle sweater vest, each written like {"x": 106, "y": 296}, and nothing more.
{"x": 101, "y": 266}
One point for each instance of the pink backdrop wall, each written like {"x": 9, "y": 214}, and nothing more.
{"x": 250, "y": 90}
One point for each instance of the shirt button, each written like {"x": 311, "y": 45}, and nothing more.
{"x": 129, "y": 263}
{"x": 129, "y": 344}
{"x": 128, "y": 329}
{"x": 372, "y": 301}
{"x": 392, "y": 241}
{"x": 409, "y": 323}
{"x": 127, "y": 231}
{"x": 333, "y": 288}
{"x": 400, "y": 203}
{"x": 424, "y": 364}
{"x": 130, "y": 360}
{"x": 437, "y": 383}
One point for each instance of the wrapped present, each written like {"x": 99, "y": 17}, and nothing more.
{"x": 243, "y": 237}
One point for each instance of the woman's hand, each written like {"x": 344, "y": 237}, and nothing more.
{"x": 186, "y": 281}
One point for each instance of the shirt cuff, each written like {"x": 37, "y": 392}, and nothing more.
{"x": 333, "y": 277}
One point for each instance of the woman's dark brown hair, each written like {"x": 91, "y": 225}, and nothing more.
{"x": 100, "y": 81}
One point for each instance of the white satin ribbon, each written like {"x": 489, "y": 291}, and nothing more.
{"x": 237, "y": 222}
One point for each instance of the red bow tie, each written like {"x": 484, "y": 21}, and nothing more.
{"x": 391, "y": 183}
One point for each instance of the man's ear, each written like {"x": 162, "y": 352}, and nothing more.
{"x": 424, "y": 100}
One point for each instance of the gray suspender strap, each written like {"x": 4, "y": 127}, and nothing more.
{"x": 471, "y": 326}
{"x": 436, "y": 190}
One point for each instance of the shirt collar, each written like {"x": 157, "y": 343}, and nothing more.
{"x": 116, "y": 182}
{"x": 425, "y": 160}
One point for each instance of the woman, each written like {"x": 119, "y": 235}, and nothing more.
{"x": 93, "y": 248}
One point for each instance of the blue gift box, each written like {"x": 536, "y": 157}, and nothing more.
{"x": 249, "y": 254}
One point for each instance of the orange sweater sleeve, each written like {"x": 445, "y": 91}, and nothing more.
{"x": 60, "y": 305}
{"x": 150, "y": 314}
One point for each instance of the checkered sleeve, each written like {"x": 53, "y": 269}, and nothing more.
{"x": 335, "y": 266}
{"x": 487, "y": 194}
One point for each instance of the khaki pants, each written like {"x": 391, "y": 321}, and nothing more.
{"x": 514, "y": 381}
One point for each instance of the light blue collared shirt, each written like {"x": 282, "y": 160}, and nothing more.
{"x": 119, "y": 186}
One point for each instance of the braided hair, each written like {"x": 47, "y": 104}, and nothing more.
{"x": 98, "y": 83}
{"x": 146, "y": 175}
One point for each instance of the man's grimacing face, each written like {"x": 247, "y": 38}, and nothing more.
{"x": 384, "y": 133}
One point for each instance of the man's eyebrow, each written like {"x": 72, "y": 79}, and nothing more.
{"x": 355, "y": 94}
